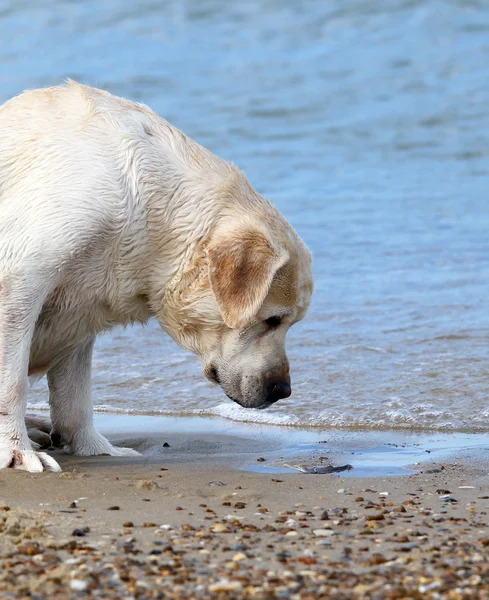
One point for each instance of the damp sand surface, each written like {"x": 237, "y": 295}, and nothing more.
{"x": 203, "y": 516}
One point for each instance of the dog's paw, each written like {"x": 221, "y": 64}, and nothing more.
{"x": 92, "y": 443}
{"x": 27, "y": 460}
{"x": 39, "y": 439}
{"x": 118, "y": 451}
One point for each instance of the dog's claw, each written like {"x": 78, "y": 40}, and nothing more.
{"x": 27, "y": 460}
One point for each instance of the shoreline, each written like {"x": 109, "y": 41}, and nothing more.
{"x": 272, "y": 449}
{"x": 371, "y": 453}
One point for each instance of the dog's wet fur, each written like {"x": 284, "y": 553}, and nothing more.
{"x": 109, "y": 215}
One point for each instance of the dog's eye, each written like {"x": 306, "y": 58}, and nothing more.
{"x": 273, "y": 321}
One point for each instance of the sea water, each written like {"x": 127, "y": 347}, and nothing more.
{"x": 367, "y": 123}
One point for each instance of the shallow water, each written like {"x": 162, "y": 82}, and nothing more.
{"x": 366, "y": 122}
{"x": 369, "y": 453}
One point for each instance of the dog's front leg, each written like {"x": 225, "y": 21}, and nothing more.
{"x": 71, "y": 405}
{"x": 19, "y": 308}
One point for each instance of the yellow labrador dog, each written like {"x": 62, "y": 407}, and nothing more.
{"x": 109, "y": 215}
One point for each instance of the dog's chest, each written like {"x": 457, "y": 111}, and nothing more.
{"x": 70, "y": 316}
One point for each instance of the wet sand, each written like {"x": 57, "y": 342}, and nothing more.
{"x": 186, "y": 521}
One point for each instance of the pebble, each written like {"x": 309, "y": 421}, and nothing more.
{"x": 323, "y": 532}
{"x": 225, "y": 586}
{"x": 78, "y": 585}
{"x": 29, "y": 548}
{"x": 406, "y": 551}
{"x": 239, "y": 556}
{"x": 80, "y": 532}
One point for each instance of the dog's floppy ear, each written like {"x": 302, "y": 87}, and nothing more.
{"x": 242, "y": 266}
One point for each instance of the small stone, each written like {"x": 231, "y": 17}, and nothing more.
{"x": 29, "y": 548}
{"x": 225, "y": 586}
{"x": 323, "y": 532}
{"x": 166, "y": 445}
{"x": 128, "y": 524}
{"x": 324, "y": 516}
{"x": 282, "y": 556}
{"x": 376, "y": 559}
{"x": 239, "y": 556}
{"x": 80, "y": 532}
{"x": 375, "y": 517}
{"x": 409, "y": 547}
{"x": 240, "y": 505}
{"x": 261, "y": 459}
{"x": 114, "y": 508}
{"x": 341, "y": 491}
{"x": 78, "y": 585}
{"x": 220, "y": 528}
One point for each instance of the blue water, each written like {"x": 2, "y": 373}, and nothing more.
{"x": 367, "y": 123}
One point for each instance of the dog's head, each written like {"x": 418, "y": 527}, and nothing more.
{"x": 255, "y": 282}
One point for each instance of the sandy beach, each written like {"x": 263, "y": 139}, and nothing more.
{"x": 186, "y": 521}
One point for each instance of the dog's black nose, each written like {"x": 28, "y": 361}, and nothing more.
{"x": 278, "y": 390}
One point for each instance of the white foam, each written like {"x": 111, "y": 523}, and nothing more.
{"x": 393, "y": 415}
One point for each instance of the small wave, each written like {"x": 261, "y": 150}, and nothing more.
{"x": 395, "y": 418}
